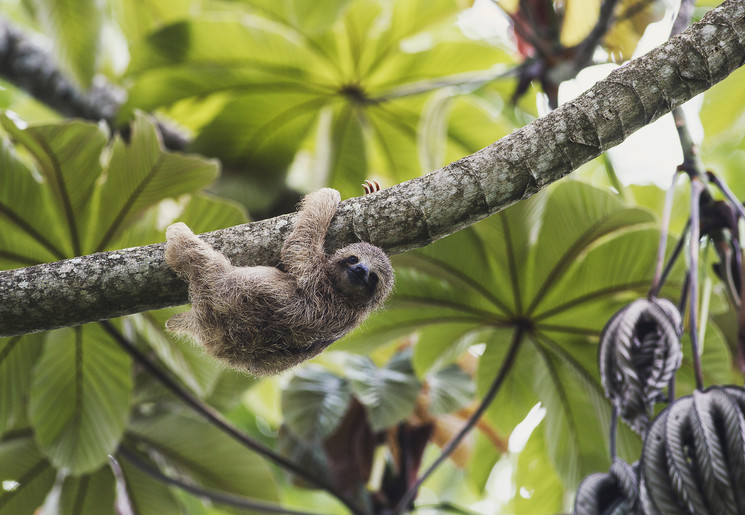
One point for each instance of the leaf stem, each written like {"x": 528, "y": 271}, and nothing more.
{"x": 472, "y": 420}
{"x": 673, "y": 258}
{"x": 613, "y": 432}
{"x": 665, "y": 226}
{"x": 697, "y": 188}
{"x": 217, "y": 419}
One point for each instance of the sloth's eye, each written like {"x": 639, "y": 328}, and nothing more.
{"x": 353, "y": 260}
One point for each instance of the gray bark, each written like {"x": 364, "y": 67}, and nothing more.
{"x": 414, "y": 213}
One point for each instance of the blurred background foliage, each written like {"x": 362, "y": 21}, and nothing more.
{"x": 274, "y": 99}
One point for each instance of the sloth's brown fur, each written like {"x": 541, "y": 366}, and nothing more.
{"x": 265, "y": 320}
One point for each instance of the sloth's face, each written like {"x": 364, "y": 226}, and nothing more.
{"x": 363, "y": 273}
{"x": 359, "y": 272}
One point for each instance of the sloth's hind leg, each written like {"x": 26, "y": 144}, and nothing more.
{"x": 191, "y": 257}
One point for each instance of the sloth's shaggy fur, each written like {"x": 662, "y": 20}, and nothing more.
{"x": 265, "y": 320}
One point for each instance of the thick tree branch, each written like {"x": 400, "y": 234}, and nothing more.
{"x": 414, "y": 213}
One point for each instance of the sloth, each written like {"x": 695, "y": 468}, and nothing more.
{"x": 264, "y": 319}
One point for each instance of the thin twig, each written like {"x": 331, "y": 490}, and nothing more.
{"x": 485, "y": 402}
{"x": 669, "y": 195}
{"x": 598, "y": 32}
{"x": 673, "y": 258}
{"x": 697, "y": 188}
{"x": 692, "y": 164}
{"x": 236, "y": 501}
{"x": 213, "y": 416}
{"x": 613, "y": 432}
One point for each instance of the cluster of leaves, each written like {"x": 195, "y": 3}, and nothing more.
{"x": 335, "y": 424}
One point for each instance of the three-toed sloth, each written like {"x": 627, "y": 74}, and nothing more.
{"x": 265, "y": 320}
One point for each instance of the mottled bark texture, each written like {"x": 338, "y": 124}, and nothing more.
{"x": 411, "y": 214}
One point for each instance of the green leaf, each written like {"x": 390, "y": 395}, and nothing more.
{"x": 75, "y": 27}
{"x": 269, "y": 137}
{"x": 205, "y": 213}
{"x": 450, "y": 389}
{"x": 251, "y": 90}
{"x": 570, "y": 392}
{"x": 716, "y": 362}
{"x": 722, "y": 112}
{"x": 517, "y": 395}
{"x": 224, "y": 464}
{"x": 314, "y": 402}
{"x": 80, "y": 397}
{"x": 91, "y": 494}
{"x": 147, "y": 497}
{"x": 388, "y": 394}
{"x": 69, "y": 156}
{"x": 138, "y": 19}
{"x": 17, "y": 358}
{"x": 537, "y": 485}
{"x": 306, "y": 17}
{"x": 25, "y": 476}
{"x": 229, "y": 389}
{"x": 347, "y": 165}
{"x": 202, "y": 213}
{"x": 562, "y": 241}
{"x": 484, "y": 457}
{"x": 441, "y": 344}
{"x": 139, "y": 175}
{"x": 198, "y": 57}
{"x": 30, "y": 228}
{"x": 433, "y": 127}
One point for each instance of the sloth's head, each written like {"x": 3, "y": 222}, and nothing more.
{"x": 362, "y": 273}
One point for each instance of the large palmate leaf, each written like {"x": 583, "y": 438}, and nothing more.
{"x": 69, "y": 157}
{"x": 139, "y": 175}
{"x": 72, "y": 210}
{"x": 252, "y": 90}
{"x": 388, "y": 394}
{"x": 549, "y": 271}
{"x": 30, "y": 230}
{"x": 314, "y": 402}
{"x": 80, "y": 397}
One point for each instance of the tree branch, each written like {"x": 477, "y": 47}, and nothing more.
{"x": 34, "y": 70}
{"x": 414, "y": 213}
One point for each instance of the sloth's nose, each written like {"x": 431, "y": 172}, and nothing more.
{"x": 362, "y": 271}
